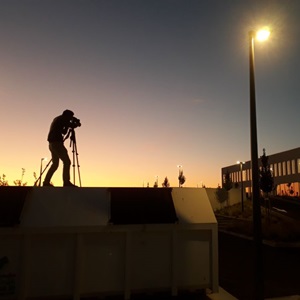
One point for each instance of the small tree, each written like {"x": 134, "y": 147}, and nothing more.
{"x": 266, "y": 181}
{"x": 228, "y": 182}
{"x": 181, "y": 178}
{"x": 222, "y": 195}
{"x": 166, "y": 183}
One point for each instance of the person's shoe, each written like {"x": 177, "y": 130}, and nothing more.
{"x": 69, "y": 184}
{"x": 48, "y": 184}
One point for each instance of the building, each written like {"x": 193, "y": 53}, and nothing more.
{"x": 285, "y": 167}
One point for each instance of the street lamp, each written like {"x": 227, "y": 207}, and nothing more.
{"x": 257, "y": 236}
{"x": 41, "y": 169}
{"x": 242, "y": 188}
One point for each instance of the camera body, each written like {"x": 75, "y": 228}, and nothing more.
{"x": 74, "y": 123}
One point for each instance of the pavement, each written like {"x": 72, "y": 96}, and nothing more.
{"x": 221, "y": 295}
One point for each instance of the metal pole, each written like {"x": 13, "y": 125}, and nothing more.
{"x": 242, "y": 188}
{"x": 257, "y": 236}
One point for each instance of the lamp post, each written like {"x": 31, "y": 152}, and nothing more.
{"x": 242, "y": 187}
{"x": 257, "y": 236}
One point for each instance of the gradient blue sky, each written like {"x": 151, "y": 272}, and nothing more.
{"x": 155, "y": 83}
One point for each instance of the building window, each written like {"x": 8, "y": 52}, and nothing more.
{"x": 279, "y": 169}
{"x": 284, "y": 168}
{"x": 288, "y": 167}
{"x": 271, "y": 168}
{"x": 244, "y": 175}
{"x": 293, "y": 167}
{"x": 275, "y": 170}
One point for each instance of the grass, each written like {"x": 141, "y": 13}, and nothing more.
{"x": 275, "y": 227}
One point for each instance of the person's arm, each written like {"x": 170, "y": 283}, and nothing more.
{"x": 65, "y": 125}
{"x": 65, "y": 130}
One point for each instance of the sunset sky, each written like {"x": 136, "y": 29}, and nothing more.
{"x": 155, "y": 83}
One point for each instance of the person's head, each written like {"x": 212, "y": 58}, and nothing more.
{"x": 68, "y": 114}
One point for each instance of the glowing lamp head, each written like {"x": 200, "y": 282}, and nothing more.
{"x": 263, "y": 34}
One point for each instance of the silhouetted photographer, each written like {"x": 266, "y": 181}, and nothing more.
{"x": 61, "y": 126}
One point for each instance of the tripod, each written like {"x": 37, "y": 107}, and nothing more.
{"x": 71, "y": 134}
{"x": 73, "y": 144}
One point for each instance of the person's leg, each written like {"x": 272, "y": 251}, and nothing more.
{"x": 53, "y": 167}
{"x": 67, "y": 163}
{"x": 62, "y": 153}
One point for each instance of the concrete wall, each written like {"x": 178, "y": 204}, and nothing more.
{"x": 221, "y": 198}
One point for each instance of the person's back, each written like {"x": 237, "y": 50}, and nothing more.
{"x": 59, "y": 126}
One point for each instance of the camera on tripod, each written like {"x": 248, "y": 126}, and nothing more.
{"x": 74, "y": 123}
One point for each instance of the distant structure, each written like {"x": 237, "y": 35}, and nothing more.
{"x": 285, "y": 167}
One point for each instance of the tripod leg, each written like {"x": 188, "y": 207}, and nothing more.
{"x": 74, "y": 150}
{"x": 73, "y": 161}
{"x": 77, "y": 161}
{"x": 41, "y": 174}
